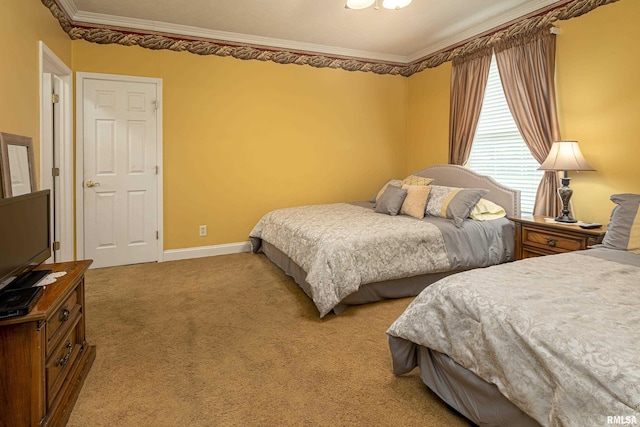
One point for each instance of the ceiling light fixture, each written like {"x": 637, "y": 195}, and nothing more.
{"x": 387, "y": 4}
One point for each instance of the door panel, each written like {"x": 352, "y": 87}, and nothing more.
{"x": 120, "y": 181}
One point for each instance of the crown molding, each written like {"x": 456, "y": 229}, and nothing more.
{"x": 111, "y": 21}
{"x": 105, "y": 20}
{"x": 107, "y": 29}
{"x": 488, "y": 25}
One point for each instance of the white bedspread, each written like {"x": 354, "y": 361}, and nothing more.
{"x": 342, "y": 246}
{"x": 558, "y": 335}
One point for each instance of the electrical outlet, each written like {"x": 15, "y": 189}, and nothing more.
{"x": 203, "y": 230}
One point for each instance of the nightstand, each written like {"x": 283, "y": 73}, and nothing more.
{"x": 536, "y": 237}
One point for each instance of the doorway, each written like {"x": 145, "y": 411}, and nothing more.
{"x": 56, "y": 149}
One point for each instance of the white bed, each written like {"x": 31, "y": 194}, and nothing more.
{"x": 343, "y": 254}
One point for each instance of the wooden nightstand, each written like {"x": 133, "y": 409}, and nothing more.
{"x": 536, "y": 237}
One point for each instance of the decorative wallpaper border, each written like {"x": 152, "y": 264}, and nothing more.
{"x": 127, "y": 37}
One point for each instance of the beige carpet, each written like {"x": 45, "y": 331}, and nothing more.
{"x": 232, "y": 341}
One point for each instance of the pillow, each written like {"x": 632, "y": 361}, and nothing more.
{"x": 623, "y": 231}
{"x": 486, "y": 210}
{"x": 416, "y": 201}
{"x": 452, "y": 202}
{"x": 391, "y": 200}
{"x": 394, "y": 182}
{"x": 416, "y": 180}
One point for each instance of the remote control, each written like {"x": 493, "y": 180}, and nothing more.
{"x": 590, "y": 225}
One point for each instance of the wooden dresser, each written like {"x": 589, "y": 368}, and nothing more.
{"x": 44, "y": 356}
{"x": 536, "y": 237}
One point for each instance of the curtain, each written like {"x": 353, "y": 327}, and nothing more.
{"x": 468, "y": 81}
{"x": 527, "y": 69}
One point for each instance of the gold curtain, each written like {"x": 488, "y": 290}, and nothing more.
{"x": 527, "y": 70}
{"x": 468, "y": 81}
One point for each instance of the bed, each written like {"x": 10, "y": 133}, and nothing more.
{"x": 550, "y": 341}
{"x": 344, "y": 254}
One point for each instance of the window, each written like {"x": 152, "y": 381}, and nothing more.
{"x": 498, "y": 149}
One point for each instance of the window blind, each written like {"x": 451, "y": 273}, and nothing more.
{"x": 498, "y": 149}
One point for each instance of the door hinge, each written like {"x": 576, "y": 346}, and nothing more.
{"x": 55, "y": 98}
{"x": 156, "y": 105}
{"x": 157, "y": 235}
{"x": 56, "y": 246}
{"x": 157, "y": 169}
{"x": 55, "y": 171}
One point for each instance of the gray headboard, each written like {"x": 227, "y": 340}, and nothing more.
{"x": 458, "y": 176}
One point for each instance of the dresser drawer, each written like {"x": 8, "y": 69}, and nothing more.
{"x": 61, "y": 360}
{"x": 67, "y": 314}
{"x": 554, "y": 242}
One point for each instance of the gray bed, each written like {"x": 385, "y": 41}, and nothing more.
{"x": 550, "y": 341}
{"x": 367, "y": 257}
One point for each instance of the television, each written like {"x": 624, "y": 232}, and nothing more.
{"x": 25, "y": 238}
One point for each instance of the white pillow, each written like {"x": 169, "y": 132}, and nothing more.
{"x": 486, "y": 210}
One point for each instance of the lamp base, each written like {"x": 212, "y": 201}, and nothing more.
{"x": 566, "y": 218}
{"x": 565, "y": 192}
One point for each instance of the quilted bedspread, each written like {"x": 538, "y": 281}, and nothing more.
{"x": 558, "y": 335}
{"x": 343, "y": 246}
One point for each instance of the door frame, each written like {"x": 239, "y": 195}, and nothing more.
{"x": 80, "y": 78}
{"x": 51, "y": 65}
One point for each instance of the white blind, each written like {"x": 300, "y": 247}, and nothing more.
{"x": 498, "y": 149}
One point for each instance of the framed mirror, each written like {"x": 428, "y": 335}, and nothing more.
{"x": 17, "y": 171}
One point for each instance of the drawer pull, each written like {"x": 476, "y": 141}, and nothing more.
{"x": 63, "y": 360}
{"x": 64, "y": 316}
{"x": 551, "y": 242}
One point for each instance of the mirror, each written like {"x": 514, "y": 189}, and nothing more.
{"x": 16, "y": 165}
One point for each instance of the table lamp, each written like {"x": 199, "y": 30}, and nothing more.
{"x": 565, "y": 156}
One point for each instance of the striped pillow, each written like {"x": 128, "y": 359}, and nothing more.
{"x": 623, "y": 231}
{"x": 452, "y": 202}
{"x": 394, "y": 182}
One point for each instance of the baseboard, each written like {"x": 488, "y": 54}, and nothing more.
{"x": 205, "y": 251}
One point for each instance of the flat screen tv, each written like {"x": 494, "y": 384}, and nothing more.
{"x": 25, "y": 238}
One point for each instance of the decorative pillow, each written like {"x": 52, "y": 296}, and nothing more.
{"x": 391, "y": 200}
{"x": 416, "y": 180}
{"x": 394, "y": 182}
{"x": 452, "y": 202}
{"x": 486, "y": 210}
{"x": 623, "y": 231}
{"x": 416, "y": 200}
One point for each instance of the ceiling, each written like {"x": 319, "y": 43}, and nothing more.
{"x": 318, "y": 26}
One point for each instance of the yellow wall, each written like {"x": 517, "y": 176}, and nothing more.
{"x": 599, "y": 103}
{"x": 428, "y": 122}
{"x": 23, "y": 23}
{"x": 241, "y": 138}
{"x": 598, "y": 95}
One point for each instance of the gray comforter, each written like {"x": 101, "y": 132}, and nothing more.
{"x": 342, "y": 246}
{"x": 558, "y": 335}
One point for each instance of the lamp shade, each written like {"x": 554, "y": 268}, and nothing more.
{"x": 359, "y": 4}
{"x": 565, "y": 156}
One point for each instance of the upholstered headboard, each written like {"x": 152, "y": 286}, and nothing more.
{"x": 458, "y": 176}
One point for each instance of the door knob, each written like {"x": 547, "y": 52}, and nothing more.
{"x": 91, "y": 183}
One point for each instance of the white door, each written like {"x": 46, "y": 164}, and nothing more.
{"x": 120, "y": 171}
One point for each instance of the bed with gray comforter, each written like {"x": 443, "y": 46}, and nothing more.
{"x": 550, "y": 341}
{"x": 345, "y": 253}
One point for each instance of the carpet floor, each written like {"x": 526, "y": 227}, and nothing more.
{"x": 231, "y": 341}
